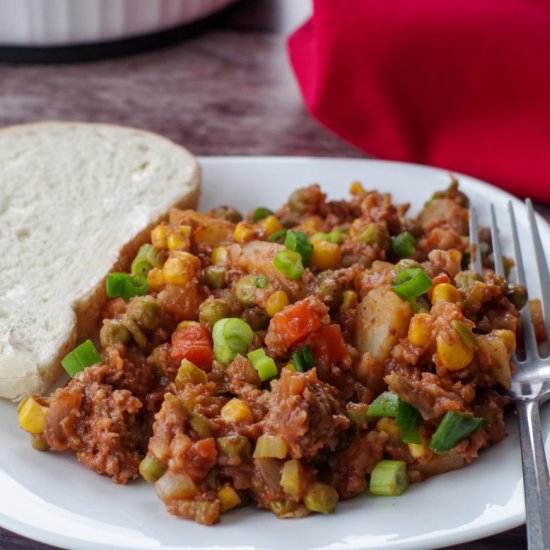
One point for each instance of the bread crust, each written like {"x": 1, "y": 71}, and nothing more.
{"x": 20, "y": 373}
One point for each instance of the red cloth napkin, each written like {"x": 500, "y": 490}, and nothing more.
{"x": 461, "y": 84}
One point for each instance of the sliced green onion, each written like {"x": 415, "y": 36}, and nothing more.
{"x": 464, "y": 332}
{"x": 307, "y": 355}
{"x": 384, "y": 405}
{"x": 389, "y": 478}
{"x": 264, "y": 364}
{"x": 303, "y": 359}
{"x": 290, "y": 263}
{"x": 403, "y": 244}
{"x": 278, "y": 236}
{"x": 266, "y": 368}
{"x": 298, "y": 362}
{"x": 261, "y": 213}
{"x": 408, "y": 420}
{"x": 410, "y": 283}
{"x": 255, "y": 355}
{"x": 262, "y": 281}
{"x": 454, "y": 427}
{"x": 231, "y": 337}
{"x": 126, "y": 286}
{"x": 81, "y": 357}
{"x": 145, "y": 260}
{"x": 298, "y": 241}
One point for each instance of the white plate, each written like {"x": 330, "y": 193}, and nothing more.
{"x": 51, "y": 498}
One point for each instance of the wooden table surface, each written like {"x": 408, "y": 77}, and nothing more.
{"x": 225, "y": 90}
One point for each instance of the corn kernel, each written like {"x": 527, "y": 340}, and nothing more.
{"x": 270, "y": 446}
{"x": 276, "y": 302}
{"x": 420, "y": 329}
{"x": 155, "y": 280}
{"x": 219, "y": 255}
{"x": 326, "y": 255}
{"x": 32, "y": 416}
{"x": 271, "y": 225}
{"x": 235, "y": 411}
{"x": 456, "y": 355}
{"x": 454, "y": 261}
{"x": 389, "y": 426}
{"x": 180, "y": 238}
{"x": 245, "y": 232}
{"x": 228, "y": 497}
{"x": 289, "y": 367}
{"x": 445, "y": 292}
{"x": 180, "y": 268}
{"x": 417, "y": 450}
{"x": 357, "y": 189}
{"x": 421, "y": 451}
{"x": 509, "y": 339}
{"x": 349, "y": 299}
{"x": 159, "y": 236}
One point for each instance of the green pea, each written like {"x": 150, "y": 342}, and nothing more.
{"x": 517, "y": 294}
{"x": 212, "y": 311}
{"x": 145, "y": 312}
{"x": 215, "y": 276}
{"x": 113, "y": 332}
{"x": 151, "y": 469}
{"x": 245, "y": 290}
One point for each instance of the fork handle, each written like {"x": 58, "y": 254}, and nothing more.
{"x": 536, "y": 482}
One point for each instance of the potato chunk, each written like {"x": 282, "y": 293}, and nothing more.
{"x": 382, "y": 319}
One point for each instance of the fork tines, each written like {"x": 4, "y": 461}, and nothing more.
{"x": 531, "y": 347}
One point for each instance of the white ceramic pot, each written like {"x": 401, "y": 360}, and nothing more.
{"x": 71, "y": 22}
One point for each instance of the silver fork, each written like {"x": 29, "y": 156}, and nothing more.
{"x": 531, "y": 383}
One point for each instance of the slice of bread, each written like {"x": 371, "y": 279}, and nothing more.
{"x": 76, "y": 201}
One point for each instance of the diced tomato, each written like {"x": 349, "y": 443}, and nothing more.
{"x": 193, "y": 343}
{"x": 294, "y": 323}
{"x": 328, "y": 344}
